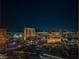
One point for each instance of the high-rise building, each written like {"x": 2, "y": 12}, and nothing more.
{"x": 3, "y": 36}
{"x": 29, "y": 32}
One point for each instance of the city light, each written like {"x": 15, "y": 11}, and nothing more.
{"x": 32, "y": 40}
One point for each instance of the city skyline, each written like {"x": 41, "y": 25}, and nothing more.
{"x": 42, "y": 15}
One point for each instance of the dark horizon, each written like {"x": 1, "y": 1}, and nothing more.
{"x": 44, "y": 15}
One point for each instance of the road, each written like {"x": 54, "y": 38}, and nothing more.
{"x": 22, "y": 52}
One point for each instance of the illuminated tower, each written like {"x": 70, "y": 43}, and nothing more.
{"x": 29, "y": 32}
{"x": 3, "y": 36}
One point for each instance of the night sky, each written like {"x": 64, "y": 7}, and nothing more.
{"x": 44, "y": 15}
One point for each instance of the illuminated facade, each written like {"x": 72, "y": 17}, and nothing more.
{"x": 29, "y": 32}
{"x": 3, "y": 36}
{"x": 54, "y": 38}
